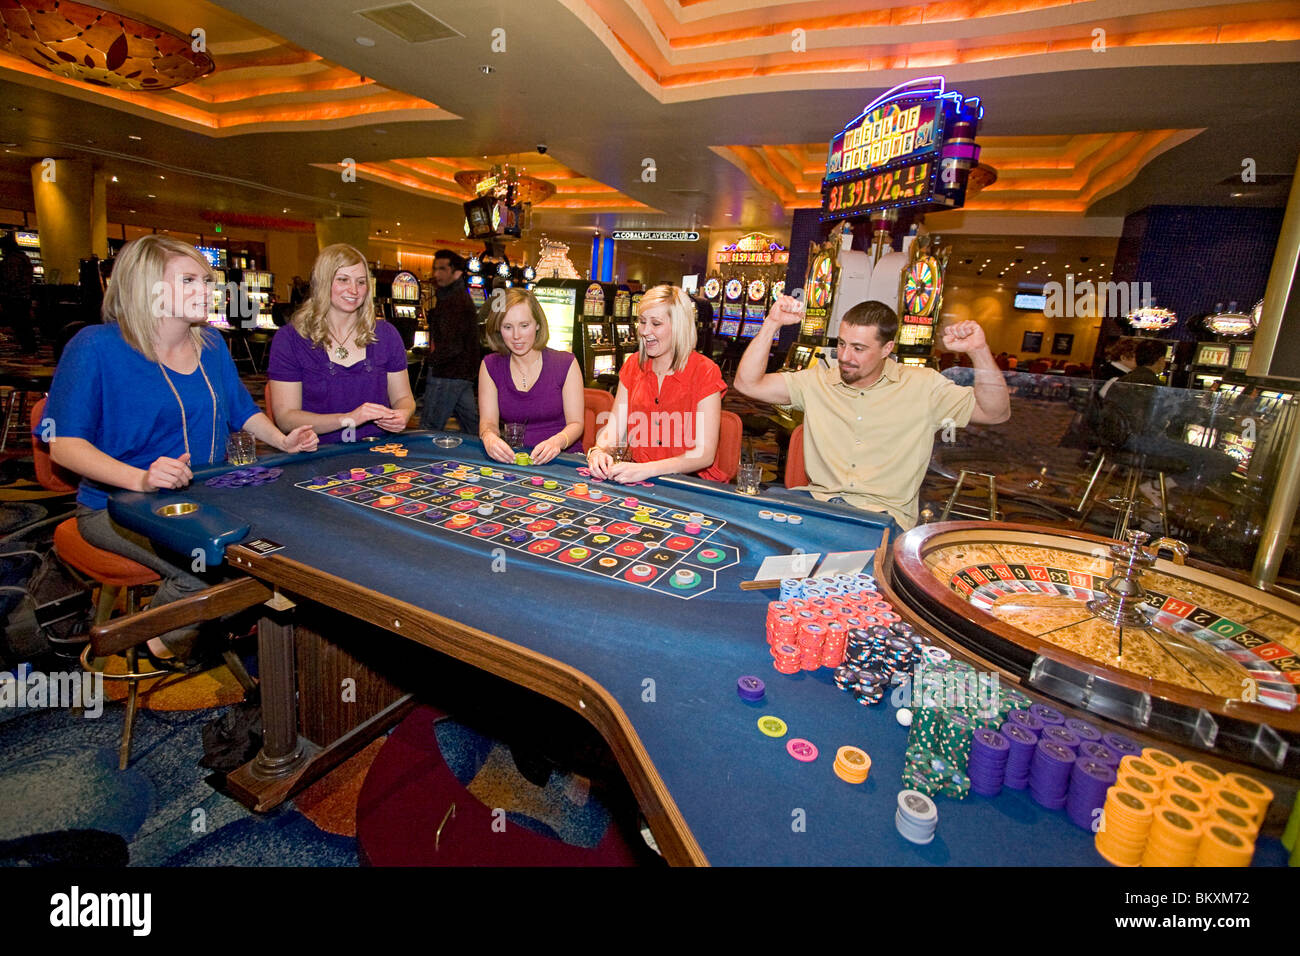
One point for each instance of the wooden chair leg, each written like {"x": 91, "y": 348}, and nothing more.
{"x": 132, "y": 702}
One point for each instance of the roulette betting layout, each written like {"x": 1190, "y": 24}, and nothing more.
{"x": 592, "y": 526}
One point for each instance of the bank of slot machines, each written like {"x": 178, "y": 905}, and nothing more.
{"x": 217, "y": 301}
{"x": 260, "y": 290}
{"x": 1230, "y": 349}
{"x": 1251, "y": 415}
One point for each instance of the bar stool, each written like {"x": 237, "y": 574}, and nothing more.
{"x": 991, "y": 513}
{"x": 1132, "y": 466}
{"x": 112, "y": 572}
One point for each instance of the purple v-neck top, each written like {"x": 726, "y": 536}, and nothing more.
{"x": 330, "y": 389}
{"x": 541, "y": 408}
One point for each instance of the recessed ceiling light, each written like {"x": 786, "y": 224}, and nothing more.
{"x": 160, "y": 176}
{"x": 152, "y": 196}
{"x": 285, "y": 209}
{"x": 364, "y": 41}
{"x": 15, "y": 109}
{"x": 1020, "y": 247}
{"x": 114, "y": 179}
{"x": 131, "y": 211}
{"x": 486, "y": 69}
{"x": 134, "y": 137}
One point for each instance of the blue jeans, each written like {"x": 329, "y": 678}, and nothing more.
{"x": 445, "y": 396}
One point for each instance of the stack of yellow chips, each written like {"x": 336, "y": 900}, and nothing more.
{"x": 1175, "y": 837}
{"x": 1127, "y": 817}
{"x": 1224, "y": 846}
{"x": 1162, "y": 812}
{"x": 852, "y": 765}
{"x": 1253, "y": 792}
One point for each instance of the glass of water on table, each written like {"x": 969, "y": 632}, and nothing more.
{"x": 513, "y": 433}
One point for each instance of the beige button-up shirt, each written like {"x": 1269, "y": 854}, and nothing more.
{"x": 872, "y": 446}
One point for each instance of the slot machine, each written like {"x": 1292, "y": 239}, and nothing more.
{"x": 30, "y": 244}
{"x": 217, "y": 302}
{"x": 600, "y": 355}
{"x": 819, "y": 292}
{"x": 733, "y": 308}
{"x": 712, "y": 292}
{"x": 576, "y": 315}
{"x": 397, "y": 299}
{"x": 624, "y": 324}
{"x": 1212, "y": 359}
{"x": 756, "y": 303}
{"x": 920, "y": 298}
{"x": 476, "y": 283}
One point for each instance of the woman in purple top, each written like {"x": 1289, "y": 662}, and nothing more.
{"x": 335, "y": 368}
{"x": 527, "y": 383}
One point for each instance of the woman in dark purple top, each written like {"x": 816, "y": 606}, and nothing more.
{"x": 334, "y": 367}
{"x": 527, "y": 383}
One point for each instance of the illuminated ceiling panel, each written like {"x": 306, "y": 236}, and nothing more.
{"x": 262, "y": 82}
{"x": 718, "y": 47}
{"x": 1041, "y": 174}
{"x": 435, "y": 177}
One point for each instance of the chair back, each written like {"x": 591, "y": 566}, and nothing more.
{"x": 48, "y": 475}
{"x": 594, "y": 402}
{"x": 731, "y": 433}
{"x": 795, "y": 474}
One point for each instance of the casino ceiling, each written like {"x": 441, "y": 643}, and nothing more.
{"x": 1093, "y": 108}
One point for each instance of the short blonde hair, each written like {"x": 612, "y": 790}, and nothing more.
{"x": 497, "y": 310}
{"x": 681, "y": 315}
{"x": 310, "y": 319}
{"x": 130, "y": 299}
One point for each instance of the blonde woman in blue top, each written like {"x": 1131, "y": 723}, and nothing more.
{"x": 142, "y": 400}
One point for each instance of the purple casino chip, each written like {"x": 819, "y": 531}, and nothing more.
{"x": 1082, "y": 729}
{"x": 1099, "y": 751}
{"x": 1054, "y": 755}
{"x": 1048, "y": 715}
{"x": 1026, "y": 719}
{"x": 1062, "y": 736}
{"x": 1122, "y": 745}
{"x": 1016, "y": 734}
{"x": 750, "y": 688}
{"x": 989, "y": 744}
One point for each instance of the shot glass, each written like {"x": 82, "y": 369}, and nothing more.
{"x": 748, "y": 477}
{"x": 619, "y": 452}
{"x": 513, "y": 433}
{"x": 241, "y": 449}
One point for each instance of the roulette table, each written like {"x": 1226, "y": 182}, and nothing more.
{"x": 360, "y": 590}
{"x": 1205, "y": 660}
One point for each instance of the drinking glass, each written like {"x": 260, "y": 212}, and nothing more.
{"x": 241, "y": 449}
{"x": 513, "y": 433}
{"x": 748, "y": 477}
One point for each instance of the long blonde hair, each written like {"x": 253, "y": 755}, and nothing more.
{"x": 131, "y": 299}
{"x": 681, "y": 315}
{"x": 310, "y": 319}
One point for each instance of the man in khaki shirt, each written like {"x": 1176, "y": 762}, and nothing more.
{"x": 869, "y": 422}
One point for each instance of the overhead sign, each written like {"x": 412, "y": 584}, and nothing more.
{"x": 913, "y": 146}
{"x": 655, "y": 235}
{"x": 755, "y": 249}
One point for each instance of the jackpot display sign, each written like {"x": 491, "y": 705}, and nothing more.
{"x": 755, "y": 249}
{"x": 913, "y": 146}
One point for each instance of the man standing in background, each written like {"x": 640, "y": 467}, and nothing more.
{"x": 453, "y": 349}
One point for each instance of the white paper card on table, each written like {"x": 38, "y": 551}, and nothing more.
{"x": 778, "y": 566}
{"x": 844, "y": 562}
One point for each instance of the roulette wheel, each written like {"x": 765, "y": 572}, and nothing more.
{"x": 1181, "y": 651}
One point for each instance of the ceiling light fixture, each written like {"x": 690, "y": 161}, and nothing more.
{"x": 81, "y": 42}
{"x": 364, "y": 41}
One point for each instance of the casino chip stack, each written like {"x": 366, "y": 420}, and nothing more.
{"x": 852, "y": 765}
{"x": 249, "y": 477}
{"x": 987, "y": 768}
{"x": 1049, "y": 773}
{"x": 1089, "y": 781}
{"x": 1163, "y": 812}
{"x": 917, "y": 817}
{"x": 1021, "y": 743}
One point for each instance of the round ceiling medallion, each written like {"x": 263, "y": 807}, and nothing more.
{"x": 80, "y": 42}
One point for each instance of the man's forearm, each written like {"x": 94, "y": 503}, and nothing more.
{"x": 991, "y": 395}
{"x": 753, "y": 363}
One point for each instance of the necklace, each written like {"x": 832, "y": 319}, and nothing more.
{"x": 523, "y": 377}
{"x": 340, "y": 350}
{"x": 185, "y": 428}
